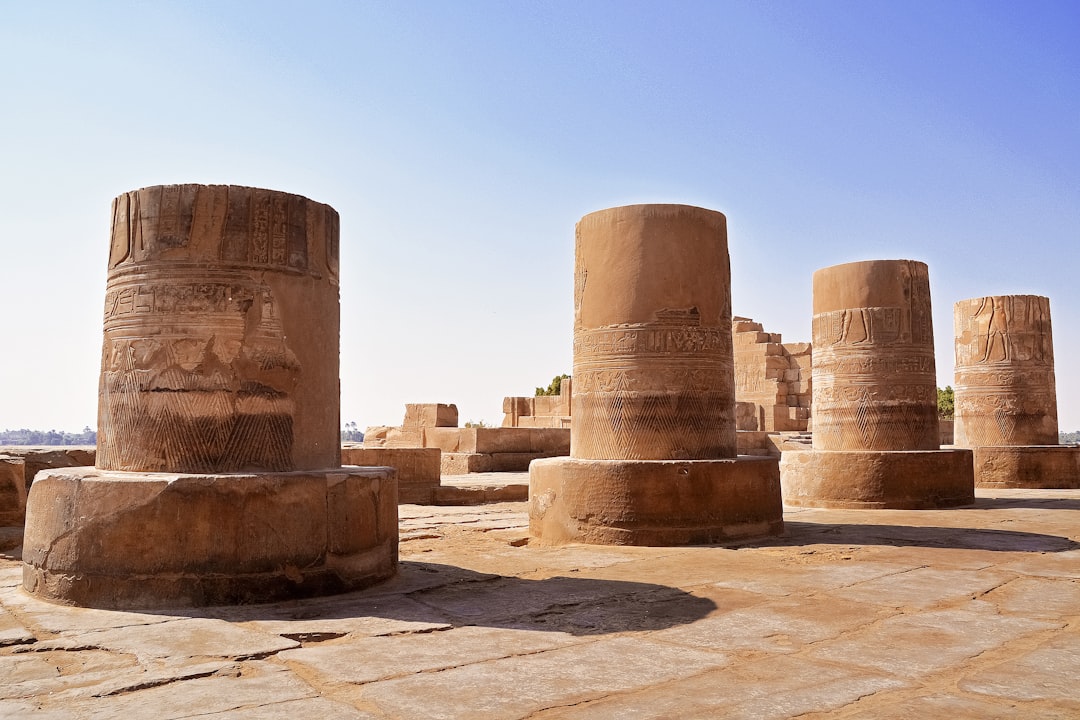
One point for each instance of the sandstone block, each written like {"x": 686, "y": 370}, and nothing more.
{"x": 12, "y": 491}
{"x": 1027, "y": 466}
{"x": 429, "y": 415}
{"x": 1005, "y": 386}
{"x": 617, "y": 502}
{"x": 110, "y": 539}
{"x": 860, "y": 479}
{"x": 418, "y": 469}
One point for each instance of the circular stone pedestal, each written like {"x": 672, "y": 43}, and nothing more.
{"x": 878, "y": 479}
{"x": 653, "y": 502}
{"x": 1028, "y": 466}
{"x": 111, "y": 539}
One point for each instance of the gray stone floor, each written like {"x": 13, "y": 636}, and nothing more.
{"x": 967, "y": 613}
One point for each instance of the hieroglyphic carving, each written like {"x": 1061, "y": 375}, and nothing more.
{"x": 1005, "y": 385}
{"x": 656, "y": 380}
{"x": 198, "y": 374}
{"x": 208, "y": 390}
{"x": 874, "y": 375}
{"x": 238, "y": 225}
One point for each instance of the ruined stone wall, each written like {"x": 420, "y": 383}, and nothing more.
{"x": 772, "y": 376}
{"x": 542, "y": 411}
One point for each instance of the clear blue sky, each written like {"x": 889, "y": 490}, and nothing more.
{"x": 461, "y": 141}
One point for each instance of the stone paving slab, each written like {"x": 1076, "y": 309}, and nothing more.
{"x": 965, "y": 613}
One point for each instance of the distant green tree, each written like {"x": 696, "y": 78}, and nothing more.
{"x": 554, "y": 388}
{"x": 946, "y": 403}
{"x": 476, "y": 424}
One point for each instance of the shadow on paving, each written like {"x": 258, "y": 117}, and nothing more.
{"x": 436, "y": 594}
{"x": 1034, "y": 503}
{"x": 813, "y": 533}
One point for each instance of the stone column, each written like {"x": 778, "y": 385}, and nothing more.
{"x": 218, "y": 473}
{"x": 652, "y": 451}
{"x": 876, "y": 436}
{"x": 1006, "y": 399}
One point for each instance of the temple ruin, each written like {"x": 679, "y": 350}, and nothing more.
{"x": 876, "y": 440}
{"x": 218, "y": 476}
{"x": 653, "y": 447}
{"x": 1006, "y": 397}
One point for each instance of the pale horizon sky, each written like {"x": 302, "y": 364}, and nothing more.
{"x": 461, "y": 142}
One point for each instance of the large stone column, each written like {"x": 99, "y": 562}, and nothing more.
{"x": 652, "y": 451}
{"x": 876, "y": 436}
{"x": 218, "y": 475}
{"x": 1006, "y": 399}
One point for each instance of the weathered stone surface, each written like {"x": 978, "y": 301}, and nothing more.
{"x": 875, "y": 386}
{"x": 12, "y": 490}
{"x": 539, "y": 680}
{"x": 418, "y": 469}
{"x": 653, "y": 503}
{"x": 899, "y": 646}
{"x": 1030, "y": 466}
{"x": 1005, "y": 387}
{"x": 869, "y": 479}
{"x": 542, "y": 411}
{"x": 1006, "y": 397}
{"x": 771, "y": 377}
{"x": 848, "y": 614}
{"x": 18, "y": 466}
{"x": 653, "y": 439}
{"x": 429, "y": 415}
{"x": 221, "y": 343}
{"x": 876, "y": 441}
{"x": 653, "y": 369}
{"x": 187, "y": 637}
{"x": 110, "y": 539}
{"x": 218, "y": 473}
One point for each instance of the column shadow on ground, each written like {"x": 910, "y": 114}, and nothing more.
{"x": 447, "y": 594}
{"x": 1032, "y": 503}
{"x": 957, "y": 538}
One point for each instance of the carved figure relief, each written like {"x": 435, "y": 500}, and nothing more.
{"x": 874, "y": 375}
{"x": 198, "y": 373}
{"x": 1005, "y": 386}
{"x": 210, "y": 391}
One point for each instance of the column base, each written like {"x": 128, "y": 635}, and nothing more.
{"x": 878, "y": 479}
{"x": 1028, "y": 466}
{"x": 654, "y": 502}
{"x": 107, "y": 539}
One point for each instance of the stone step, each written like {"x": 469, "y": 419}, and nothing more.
{"x": 482, "y": 488}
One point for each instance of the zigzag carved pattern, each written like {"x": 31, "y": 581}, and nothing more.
{"x": 653, "y": 426}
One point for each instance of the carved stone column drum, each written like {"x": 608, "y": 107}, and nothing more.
{"x": 218, "y": 474}
{"x": 1006, "y": 399}
{"x": 876, "y": 435}
{"x": 652, "y": 450}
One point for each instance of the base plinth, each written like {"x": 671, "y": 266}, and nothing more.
{"x": 1028, "y": 466}
{"x": 109, "y": 539}
{"x": 654, "y": 502}
{"x": 878, "y": 479}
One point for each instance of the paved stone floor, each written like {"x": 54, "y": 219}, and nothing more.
{"x": 968, "y": 613}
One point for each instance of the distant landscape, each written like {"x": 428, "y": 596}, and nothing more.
{"x": 350, "y": 433}
{"x": 48, "y": 437}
